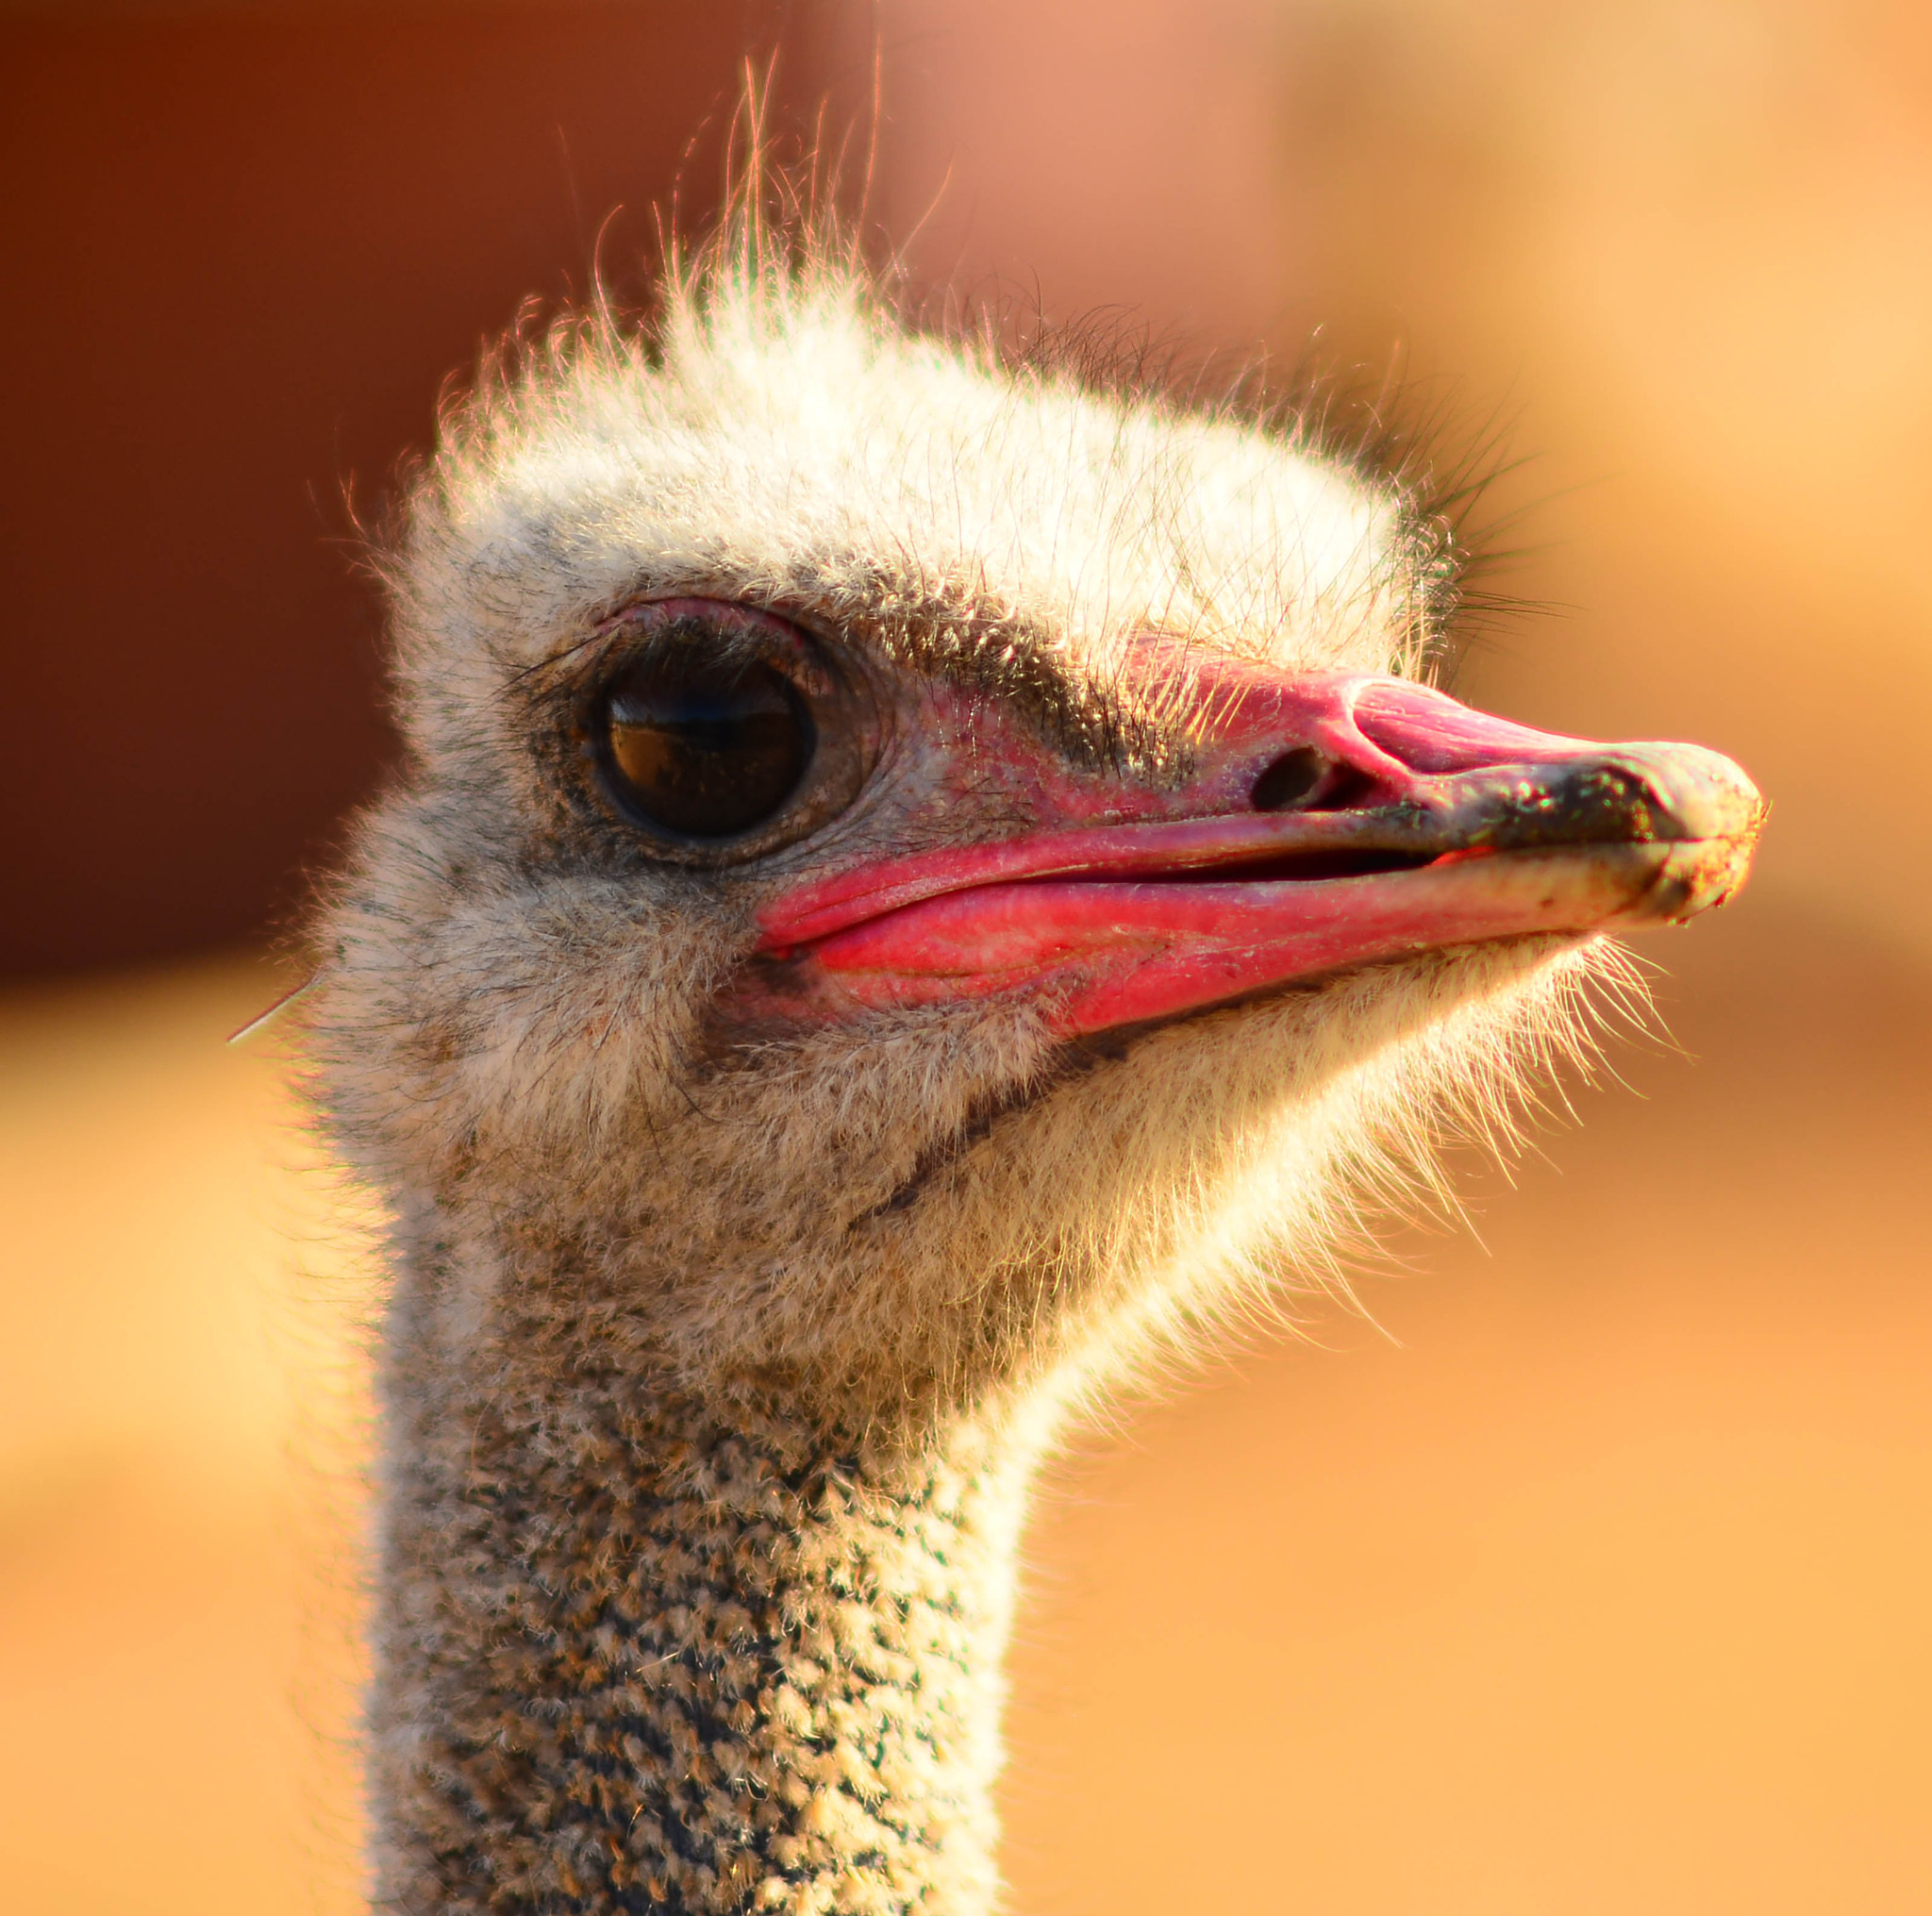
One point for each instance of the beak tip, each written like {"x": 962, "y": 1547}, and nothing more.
{"x": 1696, "y": 876}
{"x": 1700, "y": 793}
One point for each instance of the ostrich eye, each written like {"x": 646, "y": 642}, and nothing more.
{"x": 705, "y": 749}
{"x": 721, "y": 733}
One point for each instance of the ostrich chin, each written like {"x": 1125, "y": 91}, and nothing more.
{"x": 918, "y": 883}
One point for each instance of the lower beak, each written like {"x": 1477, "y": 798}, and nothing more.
{"x": 1408, "y": 823}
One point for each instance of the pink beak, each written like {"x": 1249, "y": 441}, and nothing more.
{"x": 1336, "y": 819}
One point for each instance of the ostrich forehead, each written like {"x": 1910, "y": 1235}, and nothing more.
{"x": 792, "y": 444}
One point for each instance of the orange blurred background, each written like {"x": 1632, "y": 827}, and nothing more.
{"x": 1594, "y": 1575}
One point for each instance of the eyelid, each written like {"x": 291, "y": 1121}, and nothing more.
{"x": 721, "y": 631}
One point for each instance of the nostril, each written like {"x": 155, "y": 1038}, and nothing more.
{"x": 1291, "y": 780}
{"x": 1308, "y": 780}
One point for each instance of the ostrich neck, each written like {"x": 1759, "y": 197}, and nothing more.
{"x": 642, "y": 1651}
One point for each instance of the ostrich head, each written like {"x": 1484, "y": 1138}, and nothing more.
{"x": 914, "y": 879}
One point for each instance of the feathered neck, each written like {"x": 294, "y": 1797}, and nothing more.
{"x": 638, "y": 1652}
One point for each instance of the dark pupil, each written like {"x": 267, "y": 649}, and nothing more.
{"x": 706, "y": 751}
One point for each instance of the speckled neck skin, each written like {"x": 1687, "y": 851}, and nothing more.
{"x": 638, "y": 1653}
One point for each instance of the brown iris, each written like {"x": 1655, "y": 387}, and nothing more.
{"x": 702, "y": 749}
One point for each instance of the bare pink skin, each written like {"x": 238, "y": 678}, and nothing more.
{"x": 1428, "y": 824}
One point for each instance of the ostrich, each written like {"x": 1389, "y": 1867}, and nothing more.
{"x": 921, "y": 881}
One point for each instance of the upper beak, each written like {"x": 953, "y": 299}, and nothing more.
{"x": 1337, "y": 819}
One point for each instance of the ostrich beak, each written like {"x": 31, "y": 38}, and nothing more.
{"x": 1335, "y": 820}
